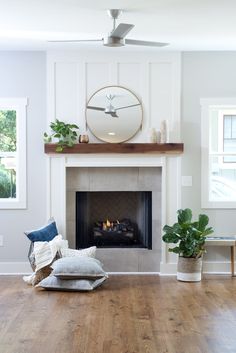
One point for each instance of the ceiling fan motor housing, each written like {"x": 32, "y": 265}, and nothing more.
{"x": 114, "y": 13}
{"x": 110, "y": 109}
{"x": 113, "y": 41}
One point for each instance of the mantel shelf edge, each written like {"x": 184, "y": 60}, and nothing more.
{"x": 94, "y": 148}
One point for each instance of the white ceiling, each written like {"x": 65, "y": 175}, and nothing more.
{"x": 185, "y": 24}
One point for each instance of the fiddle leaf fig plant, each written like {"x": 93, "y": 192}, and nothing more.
{"x": 189, "y": 236}
{"x": 66, "y": 134}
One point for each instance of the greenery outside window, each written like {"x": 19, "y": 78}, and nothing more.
{"x": 13, "y": 152}
{"x": 7, "y": 154}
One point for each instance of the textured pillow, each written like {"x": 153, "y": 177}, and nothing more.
{"x": 78, "y": 267}
{"x": 54, "y": 283}
{"x": 46, "y": 233}
{"x": 91, "y": 252}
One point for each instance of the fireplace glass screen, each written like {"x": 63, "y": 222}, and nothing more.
{"x": 114, "y": 219}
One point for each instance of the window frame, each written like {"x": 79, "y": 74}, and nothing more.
{"x": 222, "y": 114}
{"x": 206, "y": 105}
{"x": 20, "y": 106}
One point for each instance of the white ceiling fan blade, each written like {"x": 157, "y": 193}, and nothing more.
{"x": 128, "y": 106}
{"x": 95, "y": 108}
{"x": 74, "y": 40}
{"x": 121, "y": 30}
{"x": 145, "y": 42}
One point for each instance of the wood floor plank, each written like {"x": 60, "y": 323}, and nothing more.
{"x": 128, "y": 314}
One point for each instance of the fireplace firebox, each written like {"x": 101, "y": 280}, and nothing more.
{"x": 114, "y": 219}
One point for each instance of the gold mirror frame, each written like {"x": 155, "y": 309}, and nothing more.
{"x": 111, "y": 123}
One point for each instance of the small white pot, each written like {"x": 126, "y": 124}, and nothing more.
{"x": 189, "y": 269}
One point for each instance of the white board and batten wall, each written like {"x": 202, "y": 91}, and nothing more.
{"x": 155, "y": 78}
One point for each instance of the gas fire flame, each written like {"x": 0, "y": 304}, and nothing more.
{"x": 108, "y": 225}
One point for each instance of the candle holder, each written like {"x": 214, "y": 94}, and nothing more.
{"x": 83, "y": 139}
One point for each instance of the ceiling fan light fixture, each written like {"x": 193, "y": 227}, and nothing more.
{"x": 113, "y": 42}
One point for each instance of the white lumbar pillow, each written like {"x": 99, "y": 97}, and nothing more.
{"x": 89, "y": 252}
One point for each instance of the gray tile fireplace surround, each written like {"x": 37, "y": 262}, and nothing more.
{"x": 119, "y": 179}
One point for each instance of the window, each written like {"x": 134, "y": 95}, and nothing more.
{"x": 219, "y": 153}
{"x": 13, "y": 152}
{"x": 229, "y": 136}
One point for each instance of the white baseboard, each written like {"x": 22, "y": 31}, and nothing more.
{"x": 134, "y": 273}
{"x": 209, "y": 267}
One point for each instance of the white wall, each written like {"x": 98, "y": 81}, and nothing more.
{"x": 205, "y": 75}
{"x": 23, "y": 74}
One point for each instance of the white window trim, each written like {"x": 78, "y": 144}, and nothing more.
{"x": 206, "y": 103}
{"x": 18, "y": 104}
{"x": 222, "y": 113}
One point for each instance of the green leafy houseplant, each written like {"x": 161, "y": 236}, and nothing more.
{"x": 65, "y": 133}
{"x": 189, "y": 236}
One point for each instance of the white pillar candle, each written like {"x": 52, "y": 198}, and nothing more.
{"x": 164, "y": 131}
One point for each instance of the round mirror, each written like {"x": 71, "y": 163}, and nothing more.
{"x": 114, "y": 114}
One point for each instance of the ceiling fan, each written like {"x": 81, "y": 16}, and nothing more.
{"x": 117, "y": 36}
{"x": 110, "y": 109}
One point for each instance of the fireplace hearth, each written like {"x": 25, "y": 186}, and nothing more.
{"x": 114, "y": 219}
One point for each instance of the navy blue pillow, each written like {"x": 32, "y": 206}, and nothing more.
{"x": 45, "y": 233}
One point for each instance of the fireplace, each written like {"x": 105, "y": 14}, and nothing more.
{"x": 108, "y": 185}
{"x": 114, "y": 219}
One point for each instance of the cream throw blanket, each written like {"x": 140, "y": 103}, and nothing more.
{"x": 45, "y": 252}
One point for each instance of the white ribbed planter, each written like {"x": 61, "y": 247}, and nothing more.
{"x": 189, "y": 269}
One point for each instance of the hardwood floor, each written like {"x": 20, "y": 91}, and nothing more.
{"x": 129, "y": 314}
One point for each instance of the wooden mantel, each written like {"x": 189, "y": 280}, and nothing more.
{"x": 157, "y": 148}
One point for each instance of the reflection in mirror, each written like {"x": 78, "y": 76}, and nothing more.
{"x": 114, "y": 114}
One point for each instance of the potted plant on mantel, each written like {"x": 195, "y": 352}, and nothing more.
{"x": 189, "y": 238}
{"x": 66, "y": 135}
